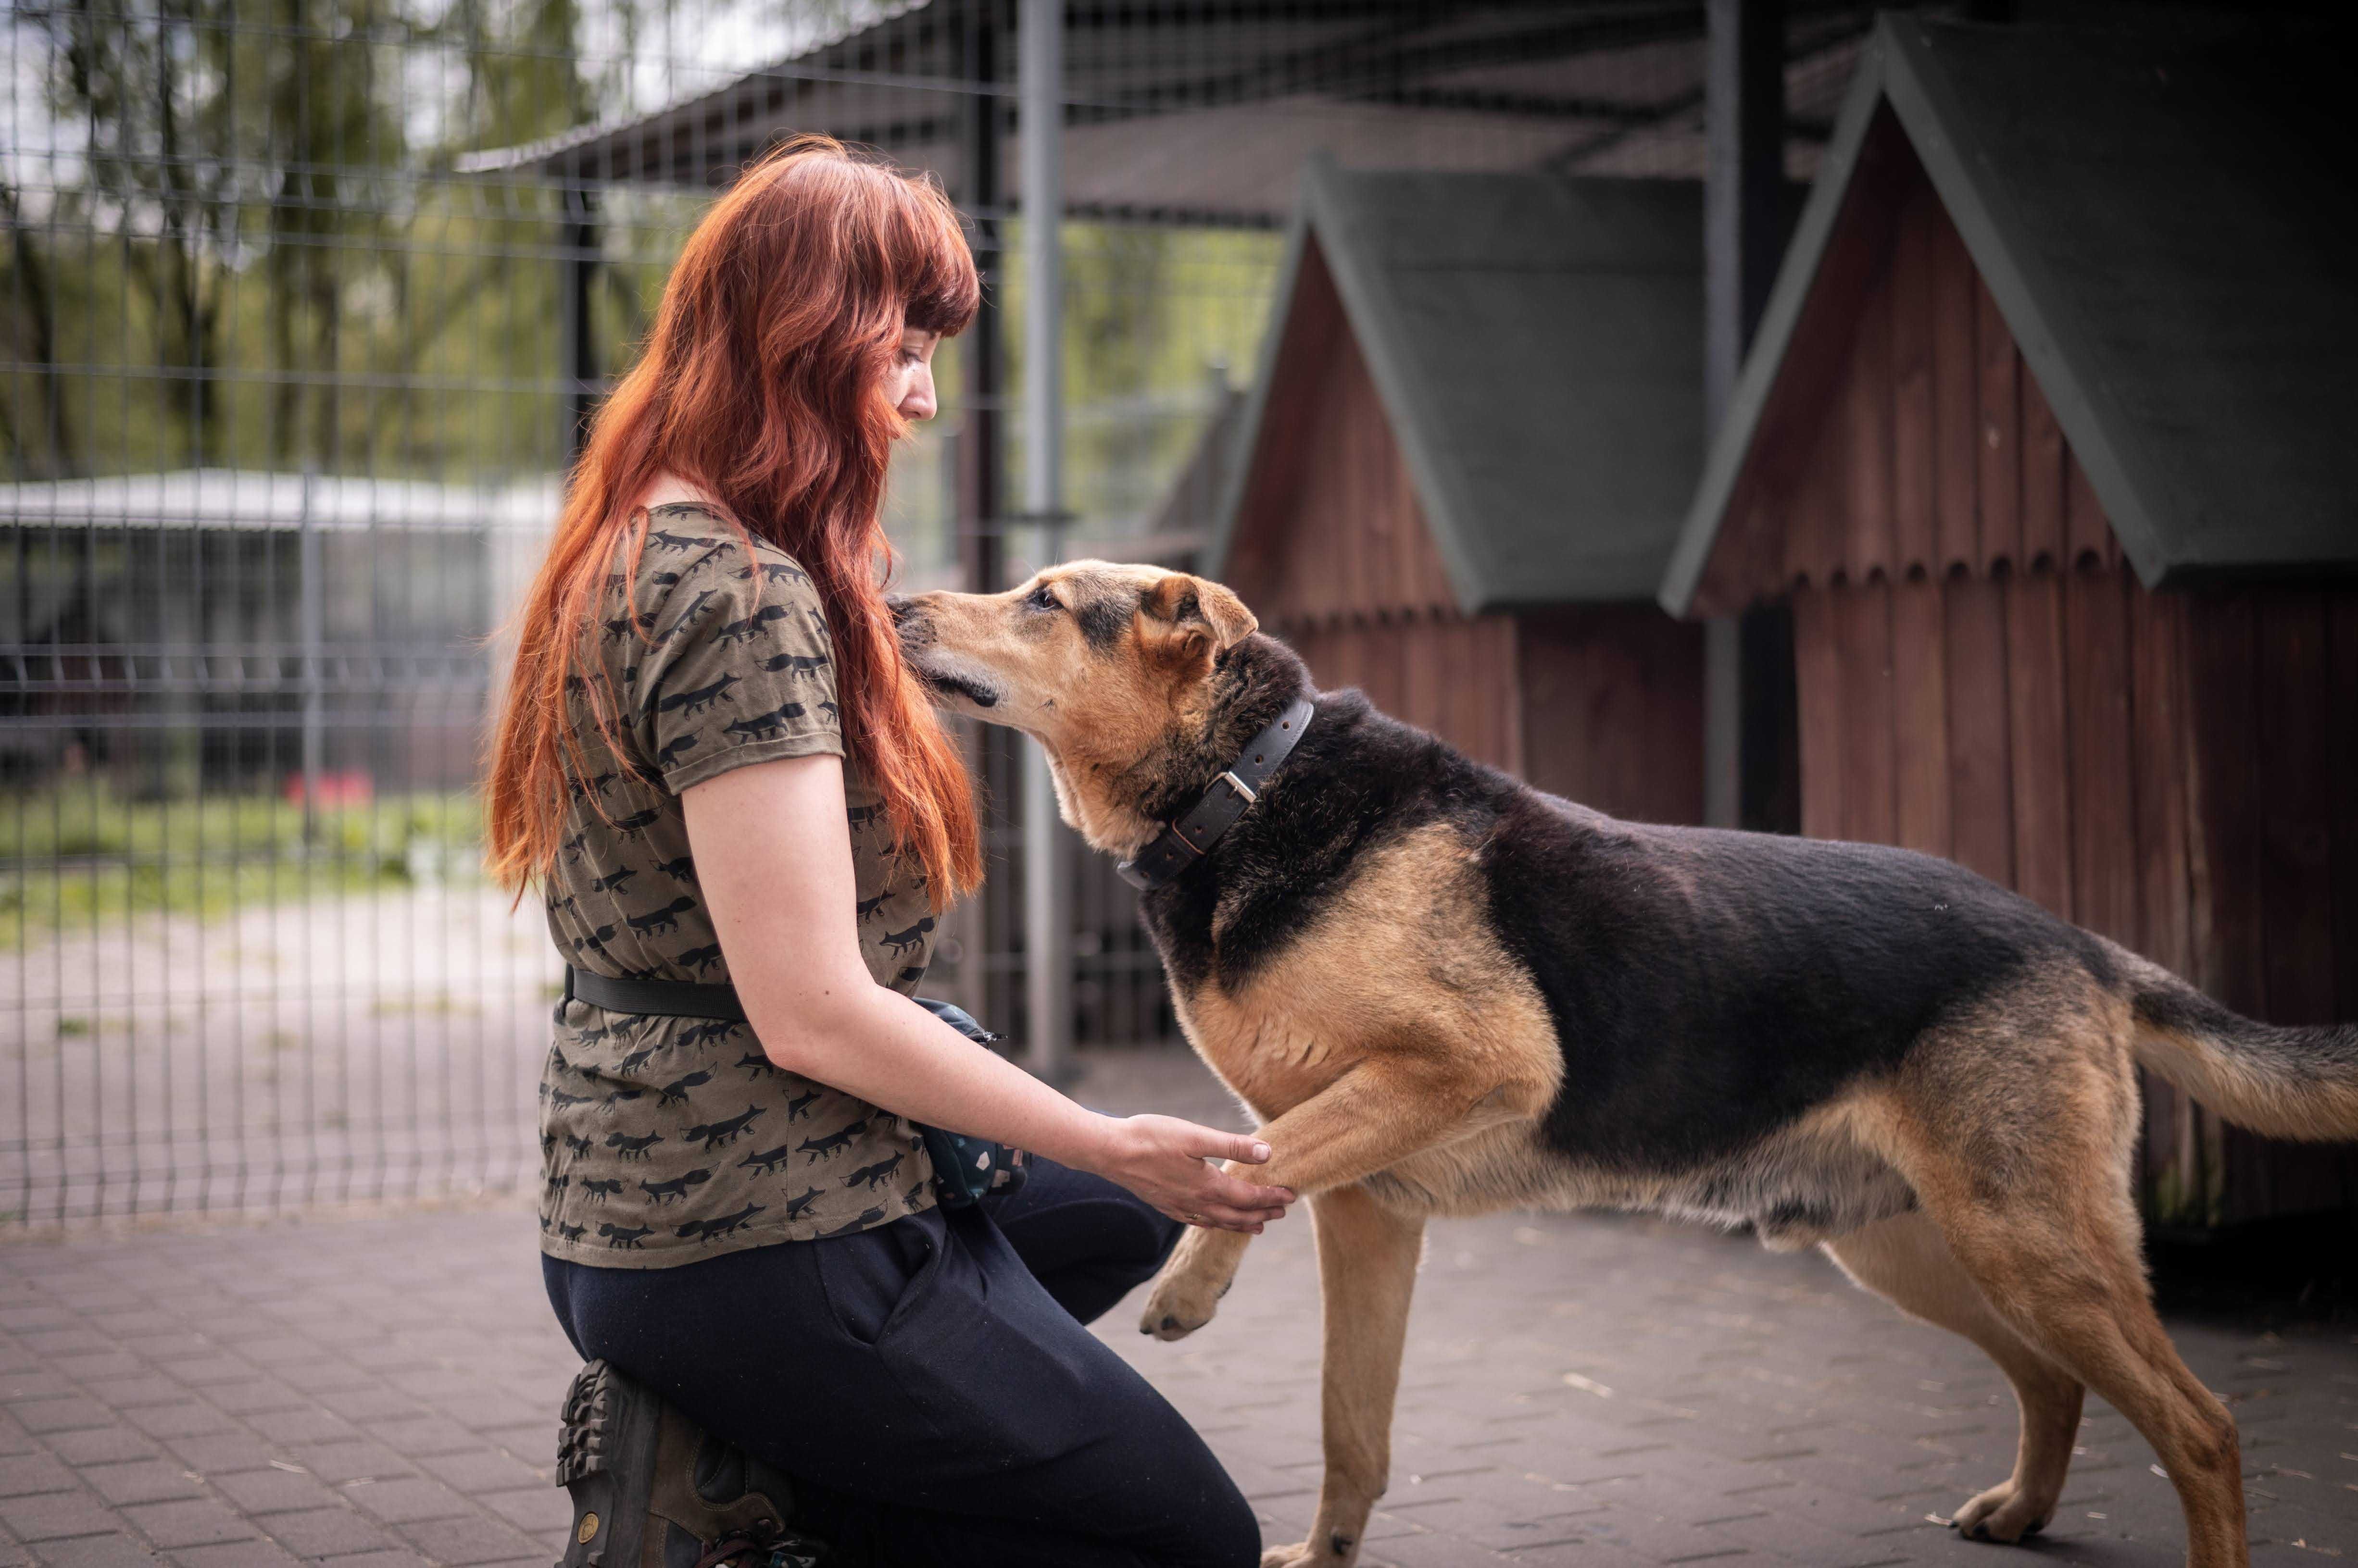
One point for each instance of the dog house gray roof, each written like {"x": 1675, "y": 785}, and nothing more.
{"x": 1537, "y": 341}
{"x": 2164, "y": 218}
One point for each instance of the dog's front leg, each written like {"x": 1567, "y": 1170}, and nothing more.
{"x": 1366, "y": 1271}
{"x": 1202, "y": 1268}
{"x": 1383, "y": 1109}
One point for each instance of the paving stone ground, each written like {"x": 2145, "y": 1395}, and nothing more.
{"x": 382, "y": 1390}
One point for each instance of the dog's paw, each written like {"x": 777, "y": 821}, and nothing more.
{"x": 1302, "y": 1554}
{"x": 2003, "y": 1515}
{"x": 1179, "y": 1304}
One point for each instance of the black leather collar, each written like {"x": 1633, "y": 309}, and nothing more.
{"x": 1191, "y": 837}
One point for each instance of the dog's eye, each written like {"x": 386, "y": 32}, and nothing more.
{"x": 1041, "y": 598}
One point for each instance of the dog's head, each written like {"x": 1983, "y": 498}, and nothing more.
{"x": 1109, "y": 667}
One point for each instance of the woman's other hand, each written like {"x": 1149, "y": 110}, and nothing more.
{"x": 1166, "y": 1161}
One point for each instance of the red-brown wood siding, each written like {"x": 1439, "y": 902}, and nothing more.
{"x": 1331, "y": 527}
{"x": 1905, "y": 494}
{"x": 1333, "y": 552}
{"x": 1613, "y": 709}
{"x": 1982, "y": 676}
{"x": 2172, "y": 771}
{"x": 2274, "y": 791}
{"x": 1455, "y": 677}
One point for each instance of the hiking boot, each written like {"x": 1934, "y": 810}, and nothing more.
{"x": 653, "y": 1489}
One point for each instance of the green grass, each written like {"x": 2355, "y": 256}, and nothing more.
{"x": 79, "y": 857}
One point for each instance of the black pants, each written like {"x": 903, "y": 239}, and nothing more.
{"x": 930, "y": 1383}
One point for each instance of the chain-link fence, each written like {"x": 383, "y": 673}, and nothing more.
{"x": 302, "y": 305}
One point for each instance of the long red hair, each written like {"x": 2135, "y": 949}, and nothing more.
{"x": 762, "y": 384}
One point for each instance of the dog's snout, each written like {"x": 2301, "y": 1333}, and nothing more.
{"x": 910, "y": 624}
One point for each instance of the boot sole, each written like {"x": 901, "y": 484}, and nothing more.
{"x": 605, "y": 1458}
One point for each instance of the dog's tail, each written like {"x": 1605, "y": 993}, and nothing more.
{"x": 2283, "y": 1082}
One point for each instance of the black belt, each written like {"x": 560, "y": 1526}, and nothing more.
{"x": 964, "y": 1168}
{"x": 673, "y": 998}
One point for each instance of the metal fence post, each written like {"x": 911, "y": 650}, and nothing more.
{"x": 310, "y": 613}
{"x": 1047, "y": 844}
{"x": 1743, "y": 186}
{"x": 578, "y": 244}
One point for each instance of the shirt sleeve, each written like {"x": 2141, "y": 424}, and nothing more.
{"x": 736, "y": 669}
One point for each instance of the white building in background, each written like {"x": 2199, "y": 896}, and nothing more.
{"x": 257, "y": 630}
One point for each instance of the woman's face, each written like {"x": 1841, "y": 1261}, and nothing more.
{"x": 909, "y": 382}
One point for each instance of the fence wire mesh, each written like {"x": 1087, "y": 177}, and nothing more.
{"x": 302, "y": 306}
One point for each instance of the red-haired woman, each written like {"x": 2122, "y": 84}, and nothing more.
{"x": 745, "y": 816}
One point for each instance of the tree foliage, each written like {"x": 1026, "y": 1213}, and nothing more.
{"x": 238, "y": 242}
{"x": 234, "y": 238}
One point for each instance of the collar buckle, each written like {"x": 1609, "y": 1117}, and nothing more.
{"x": 1208, "y": 818}
{"x": 1183, "y": 842}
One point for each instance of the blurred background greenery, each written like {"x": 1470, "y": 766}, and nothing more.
{"x": 75, "y": 855}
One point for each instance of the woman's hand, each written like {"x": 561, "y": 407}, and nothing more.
{"x": 1164, "y": 1160}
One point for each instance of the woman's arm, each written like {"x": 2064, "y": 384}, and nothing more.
{"x": 774, "y": 863}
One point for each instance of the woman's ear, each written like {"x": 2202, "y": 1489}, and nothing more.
{"x": 1203, "y": 617}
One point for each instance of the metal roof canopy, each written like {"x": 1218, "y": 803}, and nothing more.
{"x": 1537, "y": 341}
{"x": 1205, "y": 111}
{"x": 2164, "y": 218}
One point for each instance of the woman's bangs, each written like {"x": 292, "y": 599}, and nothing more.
{"x": 943, "y": 291}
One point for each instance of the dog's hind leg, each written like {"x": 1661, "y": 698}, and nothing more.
{"x": 1366, "y": 1273}
{"x": 2073, "y": 1286}
{"x": 2016, "y": 1136}
{"x": 1906, "y": 1261}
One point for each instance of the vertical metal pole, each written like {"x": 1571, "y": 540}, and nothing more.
{"x": 1048, "y": 848}
{"x": 1744, "y": 184}
{"x": 984, "y": 923}
{"x": 1743, "y": 237}
{"x": 577, "y": 269}
{"x": 310, "y": 616}
{"x": 1042, "y": 39}
{"x": 1722, "y": 721}
{"x": 979, "y": 351}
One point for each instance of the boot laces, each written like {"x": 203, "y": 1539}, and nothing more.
{"x": 743, "y": 1551}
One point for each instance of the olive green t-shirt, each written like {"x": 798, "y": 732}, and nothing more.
{"x": 666, "y": 1139}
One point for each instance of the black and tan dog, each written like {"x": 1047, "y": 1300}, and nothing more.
{"x": 1442, "y": 992}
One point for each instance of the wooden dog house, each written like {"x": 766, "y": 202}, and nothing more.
{"x": 1474, "y": 435}
{"x": 2046, "y": 440}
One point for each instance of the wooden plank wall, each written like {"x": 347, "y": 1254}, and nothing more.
{"x": 1455, "y": 677}
{"x": 1331, "y": 526}
{"x": 1334, "y": 554}
{"x": 1982, "y": 678}
{"x": 2176, "y": 772}
{"x": 1938, "y": 451}
{"x": 1613, "y": 709}
{"x": 1748, "y": 560}
{"x": 2272, "y": 700}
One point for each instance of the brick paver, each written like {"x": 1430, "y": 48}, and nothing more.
{"x": 1587, "y": 1390}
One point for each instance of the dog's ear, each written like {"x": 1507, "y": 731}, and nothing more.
{"x": 1191, "y": 618}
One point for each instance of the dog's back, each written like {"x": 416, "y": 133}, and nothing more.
{"x": 1724, "y": 1005}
